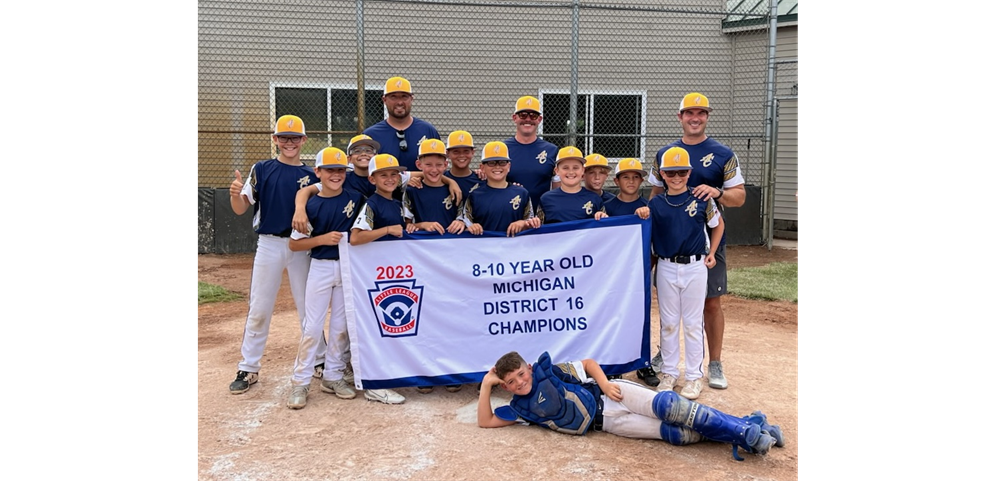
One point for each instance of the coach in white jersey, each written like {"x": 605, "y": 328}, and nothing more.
{"x": 716, "y": 176}
{"x": 533, "y": 157}
{"x": 270, "y": 190}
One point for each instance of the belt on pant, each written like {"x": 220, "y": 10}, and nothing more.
{"x": 684, "y": 259}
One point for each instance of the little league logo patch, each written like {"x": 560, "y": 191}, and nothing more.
{"x": 397, "y": 307}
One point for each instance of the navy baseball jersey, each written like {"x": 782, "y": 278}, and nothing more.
{"x": 606, "y": 196}
{"x": 466, "y": 184}
{"x": 379, "y": 212}
{"x": 678, "y": 224}
{"x": 532, "y": 166}
{"x": 430, "y": 204}
{"x": 386, "y": 135}
{"x": 495, "y": 209}
{"x": 618, "y": 206}
{"x": 331, "y": 214}
{"x": 559, "y": 206}
{"x": 271, "y": 189}
{"x": 359, "y": 184}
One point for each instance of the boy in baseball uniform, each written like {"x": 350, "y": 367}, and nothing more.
{"x": 570, "y": 201}
{"x": 685, "y": 253}
{"x": 576, "y": 397}
{"x": 498, "y": 205}
{"x": 596, "y": 172}
{"x": 331, "y": 213}
{"x": 270, "y": 190}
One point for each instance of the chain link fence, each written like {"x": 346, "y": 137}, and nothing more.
{"x": 609, "y": 75}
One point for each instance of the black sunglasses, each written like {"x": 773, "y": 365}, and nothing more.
{"x": 404, "y": 143}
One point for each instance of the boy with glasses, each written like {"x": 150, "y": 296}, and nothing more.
{"x": 498, "y": 205}
{"x": 270, "y": 190}
{"x": 684, "y": 254}
{"x": 533, "y": 156}
{"x": 716, "y": 176}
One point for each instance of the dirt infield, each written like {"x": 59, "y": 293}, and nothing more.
{"x": 255, "y": 437}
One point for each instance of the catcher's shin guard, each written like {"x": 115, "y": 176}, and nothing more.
{"x": 679, "y": 435}
{"x": 712, "y": 423}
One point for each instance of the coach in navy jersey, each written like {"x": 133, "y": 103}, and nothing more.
{"x": 715, "y": 176}
{"x": 531, "y": 156}
{"x": 401, "y": 133}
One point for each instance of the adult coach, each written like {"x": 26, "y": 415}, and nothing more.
{"x": 716, "y": 175}
{"x": 401, "y": 133}
{"x": 533, "y": 158}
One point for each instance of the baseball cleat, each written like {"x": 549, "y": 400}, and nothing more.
{"x": 339, "y": 388}
{"x": 716, "y": 379}
{"x": 648, "y": 375}
{"x": 242, "y": 382}
{"x": 692, "y": 389}
{"x": 298, "y": 397}
{"x": 385, "y": 396}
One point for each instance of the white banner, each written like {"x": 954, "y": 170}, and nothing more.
{"x": 430, "y": 309}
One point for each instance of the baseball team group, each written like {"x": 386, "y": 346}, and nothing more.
{"x": 398, "y": 177}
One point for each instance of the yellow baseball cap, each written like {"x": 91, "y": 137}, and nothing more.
{"x": 595, "y": 160}
{"x": 396, "y": 84}
{"x": 331, "y": 157}
{"x": 431, "y": 147}
{"x": 459, "y": 138}
{"x": 496, "y": 150}
{"x": 385, "y": 162}
{"x": 694, "y": 100}
{"x": 676, "y": 158}
{"x": 363, "y": 139}
{"x": 629, "y": 164}
{"x": 289, "y": 126}
{"x": 569, "y": 152}
{"x": 528, "y": 103}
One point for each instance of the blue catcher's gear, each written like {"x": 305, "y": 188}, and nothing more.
{"x": 712, "y": 423}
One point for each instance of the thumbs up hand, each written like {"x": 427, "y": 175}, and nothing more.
{"x": 236, "y": 185}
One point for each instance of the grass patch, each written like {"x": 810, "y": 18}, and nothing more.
{"x": 777, "y": 281}
{"x": 207, "y": 293}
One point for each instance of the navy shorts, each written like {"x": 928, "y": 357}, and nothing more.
{"x": 717, "y": 274}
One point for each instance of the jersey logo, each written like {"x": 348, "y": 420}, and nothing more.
{"x": 707, "y": 160}
{"x": 349, "y": 208}
{"x": 541, "y": 157}
{"x": 516, "y": 202}
{"x": 473, "y": 188}
{"x": 397, "y": 306}
{"x": 692, "y": 209}
{"x": 422, "y": 139}
{"x": 588, "y": 208}
{"x": 541, "y": 399}
{"x": 303, "y": 182}
{"x": 448, "y": 202}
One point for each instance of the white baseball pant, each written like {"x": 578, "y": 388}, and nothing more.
{"x": 324, "y": 290}
{"x": 273, "y": 256}
{"x": 680, "y": 292}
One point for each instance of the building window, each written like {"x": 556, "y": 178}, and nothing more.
{"x": 610, "y": 124}
{"x": 330, "y": 114}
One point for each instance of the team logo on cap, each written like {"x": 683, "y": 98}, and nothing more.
{"x": 398, "y": 83}
{"x": 397, "y": 307}
{"x": 497, "y": 149}
{"x": 697, "y": 100}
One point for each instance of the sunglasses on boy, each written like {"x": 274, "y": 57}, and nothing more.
{"x": 495, "y": 163}
{"x": 404, "y": 143}
{"x": 681, "y": 173}
{"x": 528, "y": 115}
{"x": 289, "y": 140}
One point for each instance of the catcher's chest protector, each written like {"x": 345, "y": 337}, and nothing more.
{"x": 554, "y": 403}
